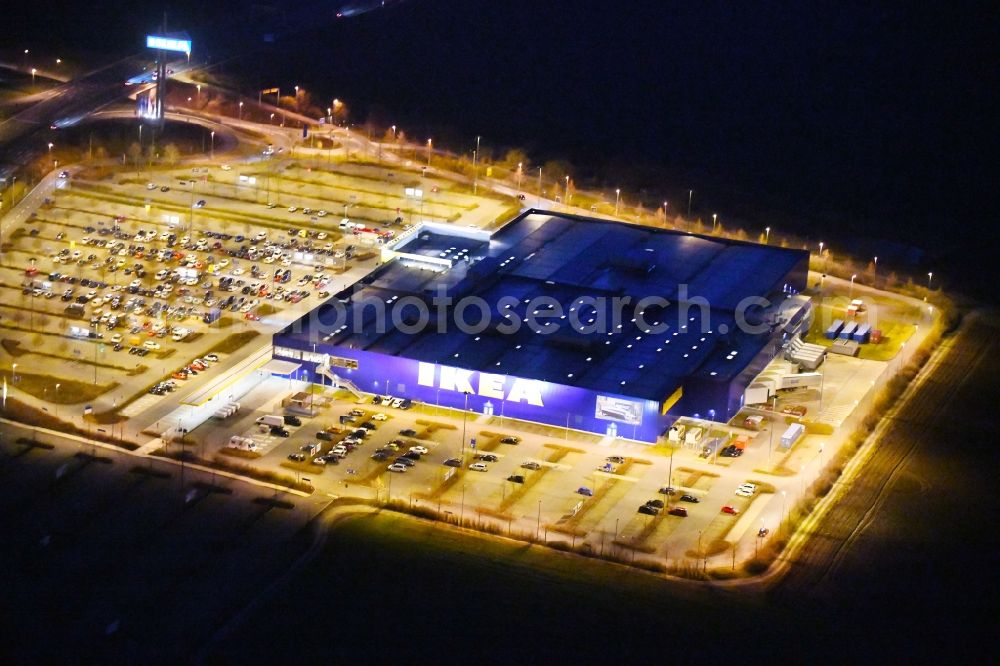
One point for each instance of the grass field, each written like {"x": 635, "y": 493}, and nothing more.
{"x": 398, "y": 578}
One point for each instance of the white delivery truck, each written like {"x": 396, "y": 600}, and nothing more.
{"x": 676, "y": 433}
{"x": 271, "y": 420}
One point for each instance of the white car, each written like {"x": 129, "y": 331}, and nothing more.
{"x": 379, "y": 416}
{"x": 321, "y": 213}
{"x": 150, "y": 344}
{"x": 422, "y": 450}
{"x": 478, "y": 467}
{"x": 238, "y": 271}
{"x": 116, "y": 338}
{"x": 746, "y": 490}
{"x": 292, "y": 209}
{"x": 397, "y": 467}
{"x": 226, "y": 167}
{"x": 150, "y": 186}
{"x": 396, "y": 402}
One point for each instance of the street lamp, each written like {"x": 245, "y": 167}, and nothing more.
{"x": 929, "y": 276}
{"x": 429, "y": 143}
{"x": 690, "y": 194}
{"x": 212, "y": 155}
{"x": 767, "y": 235}
{"x": 664, "y": 211}
{"x": 272, "y": 118}
{"x": 714, "y": 218}
{"x": 821, "y": 249}
{"x": 465, "y": 416}
{"x": 566, "y": 196}
{"x": 475, "y": 168}
{"x": 33, "y": 72}
{"x": 519, "y": 168}
{"x": 618, "y": 198}
{"x": 240, "y": 116}
{"x": 851, "y": 295}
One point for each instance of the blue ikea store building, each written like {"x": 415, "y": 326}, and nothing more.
{"x": 590, "y": 324}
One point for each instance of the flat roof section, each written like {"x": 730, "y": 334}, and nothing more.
{"x": 572, "y": 260}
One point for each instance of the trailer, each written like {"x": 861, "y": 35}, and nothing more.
{"x": 271, "y": 420}
{"x": 693, "y": 436}
{"x": 792, "y": 435}
{"x": 756, "y": 394}
{"x": 863, "y": 333}
{"x": 848, "y": 331}
{"x": 802, "y": 380}
{"x": 834, "y": 330}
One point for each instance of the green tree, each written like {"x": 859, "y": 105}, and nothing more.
{"x": 171, "y": 153}
{"x": 134, "y": 152}
{"x": 516, "y": 156}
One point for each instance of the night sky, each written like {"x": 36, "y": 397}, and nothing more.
{"x": 832, "y": 119}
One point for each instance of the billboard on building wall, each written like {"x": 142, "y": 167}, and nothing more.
{"x": 618, "y": 409}
{"x": 487, "y": 393}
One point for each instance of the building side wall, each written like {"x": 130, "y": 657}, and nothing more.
{"x": 497, "y": 395}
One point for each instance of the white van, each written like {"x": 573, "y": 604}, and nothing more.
{"x": 242, "y": 443}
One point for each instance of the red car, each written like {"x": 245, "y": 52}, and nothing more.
{"x": 678, "y": 511}
{"x": 732, "y": 510}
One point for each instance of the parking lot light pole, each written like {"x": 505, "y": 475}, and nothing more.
{"x": 538, "y": 522}
{"x": 465, "y": 417}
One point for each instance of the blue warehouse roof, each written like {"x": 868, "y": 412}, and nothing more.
{"x": 567, "y": 258}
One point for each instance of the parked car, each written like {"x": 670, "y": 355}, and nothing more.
{"x": 292, "y": 420}
{"x": 408, "y": 432}
{"x": 678, "y": 511}
{"x": 486, "y": 457}
{"x": 648, "y": 510}
{"x": 531, "y": 464}
{"x": 478, "y": 467}
{"x": 510, "y": 440}
{"x": 421, "y": 450}
{"x": 516, "y": 478}
{"x": 453, "y": 462}
{"x": 585, "y": 491}
{"x": 690, "y": 498}
{"x": 396, "y": 467}
{"x": 730, "y": 509}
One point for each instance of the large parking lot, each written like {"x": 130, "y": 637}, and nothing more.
{"x": 121, "y": 284}
{"x": 658, "y": 502}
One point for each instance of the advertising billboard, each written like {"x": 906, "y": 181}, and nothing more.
{"x": 618, "y": 409}
{"x": 485, "y": 393}
{"x": 162, "y": 43}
